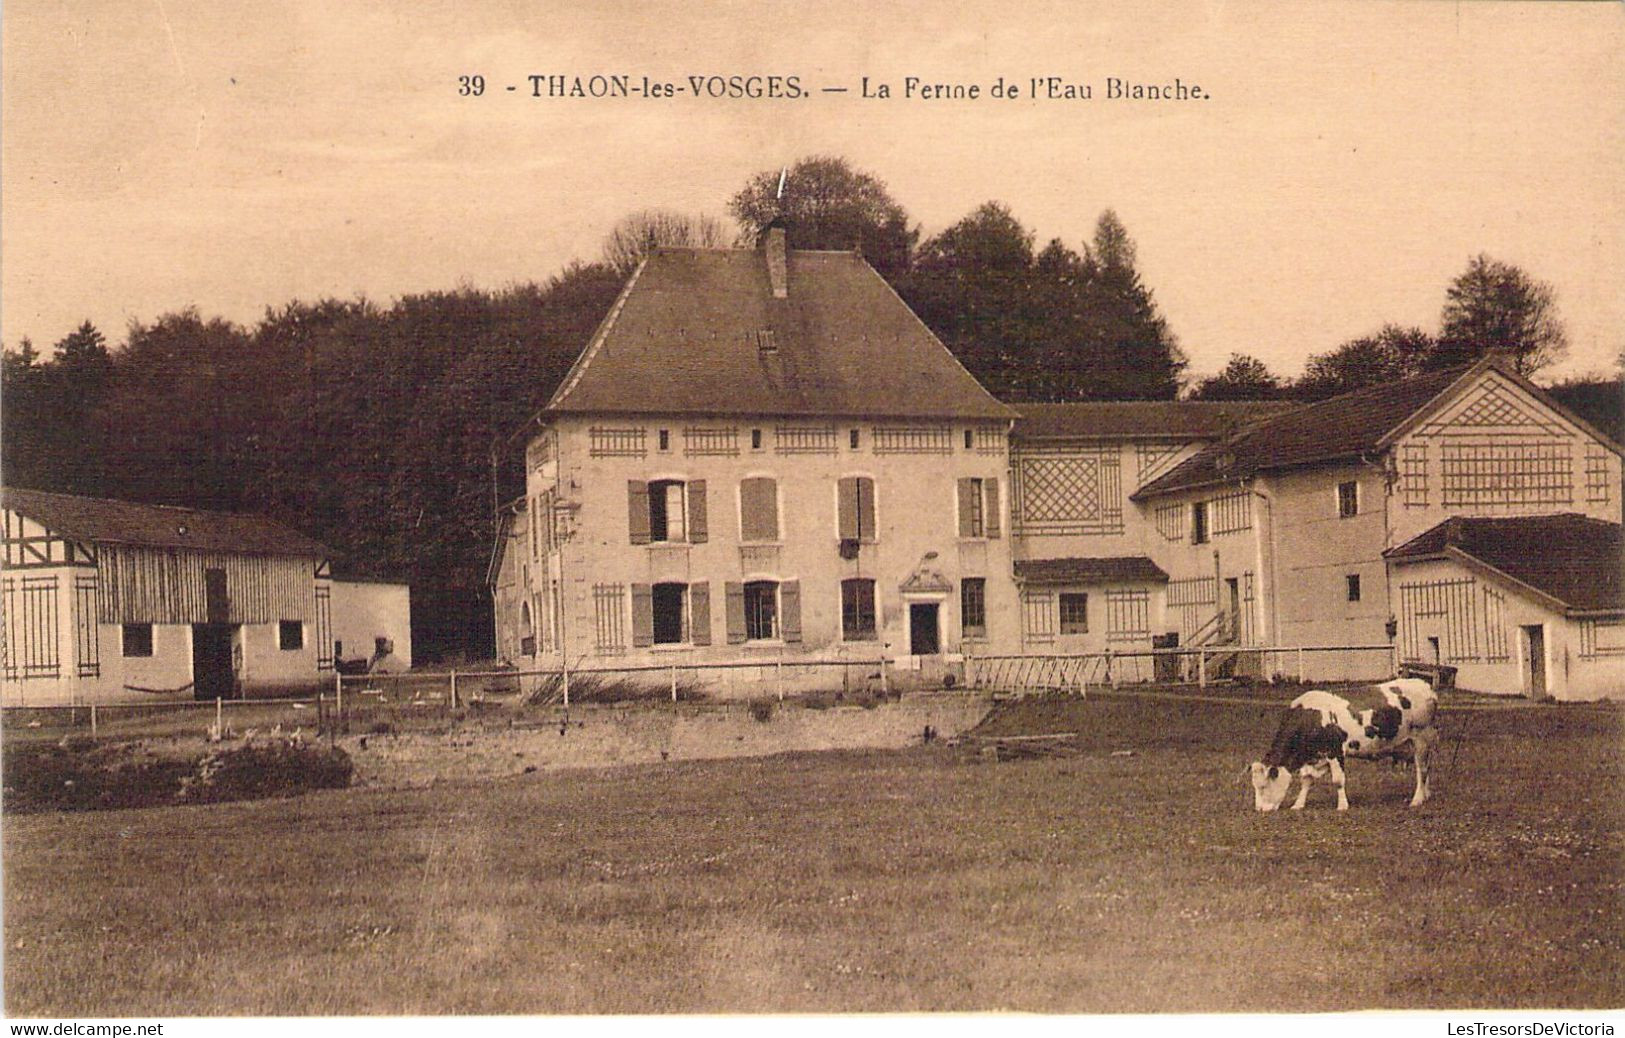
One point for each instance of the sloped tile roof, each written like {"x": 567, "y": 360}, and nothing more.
{"x": 686, "y": 337}
{"x": 1342, "y": 427}
{"x": 1571, "y": 558}
{"x": 1182, "y": 420}
{"x": 1115, "y": 569}
{"x": 105, "y": 521}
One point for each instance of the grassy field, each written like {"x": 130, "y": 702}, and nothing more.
{"x": 917, "y": 880}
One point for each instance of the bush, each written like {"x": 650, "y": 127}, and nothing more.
{"x": 761, "y": 709}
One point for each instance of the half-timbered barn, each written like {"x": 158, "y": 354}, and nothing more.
{"x": 111, "y": 601}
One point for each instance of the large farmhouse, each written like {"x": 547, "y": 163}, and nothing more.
{"x": 110, "y": 601}
{"x": 764, "y": 455}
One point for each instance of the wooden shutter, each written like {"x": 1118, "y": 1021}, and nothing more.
{"x": 847, "y": 510}
{"x": 735, "y": 608}
{"x": 637, "y": 510}
{"x": 643, "y": 615}
{"x": 967, "y": 505}
{"x": 866, "y": 509}
{"x": 758, "y": 509}
{"x": 990, "y": 510}
{"x": 696, "y": 511}
{"x": 790, "y": 610}
{"x": 699, "y": 613}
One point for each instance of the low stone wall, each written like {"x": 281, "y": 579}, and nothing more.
{"x": 597, "y": 736}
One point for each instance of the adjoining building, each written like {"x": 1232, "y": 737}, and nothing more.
{"x": 110, "y": 601}
{"x": 1534, "y": 605}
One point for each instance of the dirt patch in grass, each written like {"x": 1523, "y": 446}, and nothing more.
{"x": 80, "y": 775}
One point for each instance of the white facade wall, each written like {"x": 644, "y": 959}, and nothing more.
{"x": 366, "y": 610}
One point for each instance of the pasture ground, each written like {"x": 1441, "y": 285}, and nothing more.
{"x": 923, "y": 879}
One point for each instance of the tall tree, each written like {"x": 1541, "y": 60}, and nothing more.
{"x": 1494, "y": 305}
{"x": 637, "y": 234}
{"x": 828, "y": 205}
{"x": 1243, "y": 378}
{"x": 1393, "y": 353}
{"x": 1148, "y": 362}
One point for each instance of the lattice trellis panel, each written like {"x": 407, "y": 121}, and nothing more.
{"x": 1232, "y": 513}
{"x": 1443, "y": 609}
{"x": 1413, "y": 475}
{"x": 1193, "y": 601}
{"x": 989, "y": 440}
{"x": 1597, "y": 480}
{"x": 805, "y": 439}
{"x": 609, "y": 610}
{"x": 1152, "y": 460}
{"x": 1496, "y": 406}
{"x": 615, "y": 442}
{"x": 1602, "y": 638}
{"x": 1495, "y": 628}
{"x": 1128, "y": 615}
{"x": 702, "y": 442}
{"x": 1171, "y": 522}
{"x": 1038, "y": 616}
{"x": 913, "y": 439}
{"x": 1069, "y": 493}
{"x": 1494, "y": 474}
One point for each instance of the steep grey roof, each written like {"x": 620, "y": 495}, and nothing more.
{"x": 687, "y": 333}
{"x": 103, "y": 521}
{"x": 1571, "y": 558}
{"x": 1125, "y": 569}
{"x": 1182, "y": 420}
{"x": 1342, "y": 427}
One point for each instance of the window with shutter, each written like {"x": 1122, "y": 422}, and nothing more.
{"x": 637, "y": 509}
{"x": 856, "y": 509}
{"x": 697, "y": 519}
{"x": 667, "y": 511}
{"x": 761, "y": 609}
{"x": 699, "y": 613}
{"x": 790, "y": 610}
{"x": 734, "y": 606}
{"x": 667, "y": 613}
{"x": 642, "y": 615}
{"x": 990, "y": 511}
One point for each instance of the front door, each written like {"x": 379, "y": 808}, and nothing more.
{"x": 922, "y": 629}
{"x": 212, "y": 673}
{"x": 1535, "y": 637}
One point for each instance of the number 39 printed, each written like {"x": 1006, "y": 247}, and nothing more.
{"x": 470, "y": 86}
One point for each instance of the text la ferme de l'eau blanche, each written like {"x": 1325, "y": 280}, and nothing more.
{"x": 1034, "y": 88}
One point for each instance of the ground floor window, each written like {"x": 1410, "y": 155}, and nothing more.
{"x": 137, "y": 640}
{"x": 857, "y": 609}
{"x": 1074, "y": 612}
{"x": 973, "y": 607}
{"x": 1352, "y": 582}
{"x": 290, "y": 634}
{"x": 667, "y": 606}
{"x": 761, "y": 609}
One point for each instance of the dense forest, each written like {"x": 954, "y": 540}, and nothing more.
{"x": 388, "y": 431}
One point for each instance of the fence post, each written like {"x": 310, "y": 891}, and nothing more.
{"x": 1111, "y": 680}
{"x": 1201, "y": 668}
{"x": 92, "y": 720}
{"x": 674, "y": 682}
{"x": 454, "y": 688}
{"x": 339, "y": 706}
{"x": 1300, "y": 664}
{"x": 883, "y": 689}
{"x": 778, "y": 677}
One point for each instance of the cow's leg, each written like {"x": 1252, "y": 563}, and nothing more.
{"x": 1337, "y": 780}
{"x": 1305, "y": 777}
{"x": 1422, "y": 750}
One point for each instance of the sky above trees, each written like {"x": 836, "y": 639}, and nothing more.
{"x": 1352, "y": 158}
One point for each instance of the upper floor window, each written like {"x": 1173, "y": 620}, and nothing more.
{"x": 1348, "y": 499}
{"x": 856, "y": 509}
{"x": 979, "y": 507}
{"x": 667, "y": 510}
{"x": 1199, "y": 522}
{"x": 663, "y": 439}
{"x": 1352, "y": 586}
{"x": 759, "y": 509}
{"x": 756, "y": 439}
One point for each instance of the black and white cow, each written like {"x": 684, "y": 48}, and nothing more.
{"x": 1393, "y": 719}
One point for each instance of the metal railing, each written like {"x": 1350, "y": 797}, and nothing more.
{"x": 1024, "y": 673}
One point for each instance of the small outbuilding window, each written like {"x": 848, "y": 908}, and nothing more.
{"x": 1199, "y": 522}
{"x": 290, "y": 634}
{"x": 137, "y": 640}
{"x": 1353, "y": 582}
{"x": 1074, "y": 613}
{"x": 1348, "y": 499}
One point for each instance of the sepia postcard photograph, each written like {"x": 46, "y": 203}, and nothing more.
{"x": 812, "y": 515}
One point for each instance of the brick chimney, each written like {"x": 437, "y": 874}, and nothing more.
{"x": 773, "y": 247}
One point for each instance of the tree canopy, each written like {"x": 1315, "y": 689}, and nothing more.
{"x": 1497, "y": 306}
{"x": 1243, "y": 378}
{"x": 828, "y": 205}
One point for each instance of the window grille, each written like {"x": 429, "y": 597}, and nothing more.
{"x": 87, "y": 635}
{"x": 1413, "y": 475}
{"x": 1500, "y": 474}
{"x": 1348, "y": 499}
{"x": 1232, "y": 513}
{"x": 1038, "y": 616}
{"x": 31, "y": 628}
{"x": 804, "y": 439}
{"x": 1171, "y": 522}
{"x": 702, "y": 442}
{"x": 609, "y": 609}
{"x": 1596, "y": 474}
{"x": 913, "y": 439}
{"x": 761, "y": 610}
{"x": 324, "y": 628}
{"x": 619, "y": 442}
{"x": 1128, "y": 615}
{"x": 1495, "y": 628}
{"x": 1194, "y": 602}
{"x": 1068, "y": 493}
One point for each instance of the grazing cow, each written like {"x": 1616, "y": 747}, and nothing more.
{"x": 1393, "y": 719}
